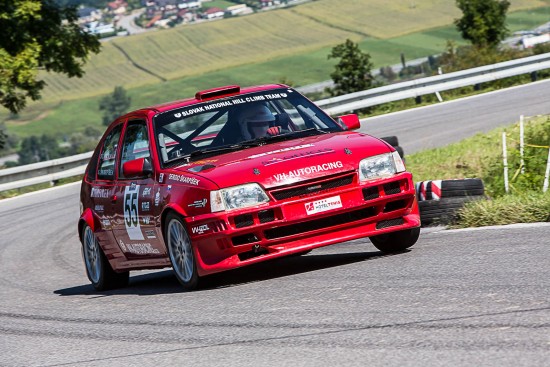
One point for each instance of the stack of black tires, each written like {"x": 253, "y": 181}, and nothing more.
{"x": 439, "y": 200}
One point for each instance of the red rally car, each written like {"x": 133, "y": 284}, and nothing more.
{"x": 233, "y": 177}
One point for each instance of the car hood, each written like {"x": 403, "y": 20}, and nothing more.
{"x": 286, "y": 162}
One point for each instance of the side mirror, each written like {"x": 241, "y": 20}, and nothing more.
{"x": 351, "y": 121}
{"x": 136, "y": 168}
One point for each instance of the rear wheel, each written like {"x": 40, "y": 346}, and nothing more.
{"x": 396, "y": 241}
{"x": 98, "y": 269}
{"x": 181, "y": 252}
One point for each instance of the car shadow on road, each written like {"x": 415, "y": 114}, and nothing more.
{"x": 164, "y": 281}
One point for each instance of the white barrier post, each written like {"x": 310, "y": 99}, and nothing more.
{"x": 545, "y": 186}
{"x": 505, "y": 161}
{"x": 521, "y": 144}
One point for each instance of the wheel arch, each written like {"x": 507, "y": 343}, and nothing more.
{"x": 172, "y": 208}
{"x": 88, "y": 218}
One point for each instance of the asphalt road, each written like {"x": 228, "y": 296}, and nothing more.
{"x": 448, "y": 122}
{"x": 457, "y": 298}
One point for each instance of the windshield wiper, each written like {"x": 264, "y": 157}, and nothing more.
{"x": 282, "y": 137}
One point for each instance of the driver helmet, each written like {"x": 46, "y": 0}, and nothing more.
{"x": 255, "y": 120}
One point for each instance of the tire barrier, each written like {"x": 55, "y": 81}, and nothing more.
{"x": 394, "y": 142}
{"x": 440, "y": 200}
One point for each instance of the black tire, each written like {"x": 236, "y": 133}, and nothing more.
{"x": 180, "y": 251}
{"x": 400, "y": 151}
{"x": 441, "y": 212}
{"x": 463, "y": 187}
{"x": 391, "y": 140}
{"x": 98, "y": 269}
{"x": 396, "y": 241}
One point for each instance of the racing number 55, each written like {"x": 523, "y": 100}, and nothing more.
{"x": 130, "y": 209}
{"x": 131, "y": 212}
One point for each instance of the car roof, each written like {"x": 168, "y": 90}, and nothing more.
{"x": 163, "y": 107}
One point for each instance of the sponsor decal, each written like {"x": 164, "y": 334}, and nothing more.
{"x": 105, "y": 222}
{"x": 297, "y": 147}
{"x": 145, "y": 205}
{"x": 150, "y": 234}
{"x": 161, "y": 177}
{"x": 184, "y": 179}
{"x": 311, "y": 153}
{"x": 157, "y": 198}
{"x": 256, "y": 171}
{"x": 138, "y": 248}
{"x": 200, "y": 229}
{"x": 99, "y": 208}
{"x": 146, "y": 191}
{"x": 198, "y": 203}
{"x": 169, "y": 187}
{"x": 109, "y": 156}
{"x": 308, "y": 170}
{"x": 233, "y": 102}
{"x": 105, "y": 172}
{"x": 323, "y": 205}
{"x": 131, "y": 213}
{"x": 146, "y": 220}
{"x": 133, "y": 185}
{"x": 99, "y": 193}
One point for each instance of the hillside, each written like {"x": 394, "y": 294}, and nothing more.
{"x": 201, "y": 48}
{"x": 290, "y": 45}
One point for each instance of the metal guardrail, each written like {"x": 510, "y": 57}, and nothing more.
{"x": 41, "y": 172}
{"x": 433, "y": 84}
{"x": 17, "y": 177}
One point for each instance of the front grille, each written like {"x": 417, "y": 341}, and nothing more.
{"x": 392, "y": 188}
{"x": 244, "y": 239}
{"x": 389, "y": 223}
{"x": 266, "y": 216}
{"x": 394, "y": 205}
{"x": 320, "y": 223}
{"x": 244, "y": 220}
{"x": 313, "y": 187}
{"x": 370, "y": 193}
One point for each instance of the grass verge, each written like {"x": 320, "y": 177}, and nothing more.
{"x": 527, "y": 207}
{"x": 481, "y": 156}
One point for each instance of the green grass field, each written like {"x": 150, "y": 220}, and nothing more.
{"x": 256, "y": 49}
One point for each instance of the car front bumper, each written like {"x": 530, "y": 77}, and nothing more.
{"x": 302, "y": 222}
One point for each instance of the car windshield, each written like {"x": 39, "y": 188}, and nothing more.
{"x": 238, "y": 122}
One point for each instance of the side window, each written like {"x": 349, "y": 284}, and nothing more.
{"x": 106, "y": 166}
{"x": 135, "y": 144}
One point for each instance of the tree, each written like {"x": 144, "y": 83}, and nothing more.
{"x": 38, "y": 34}
{"x": 3, "y": 138}
{"x": 114, "y": 105}
{"x": 483, "y": 22}
{"x": 37, "y": 149}
{"x": 353, "y": 72}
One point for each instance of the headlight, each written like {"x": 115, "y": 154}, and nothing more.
{"x": 237, "y": 197}
{"x": 383, "y": 165}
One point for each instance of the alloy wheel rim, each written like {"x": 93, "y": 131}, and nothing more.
{"x": 180, "y": 250}
{"x": 91, "y": 255}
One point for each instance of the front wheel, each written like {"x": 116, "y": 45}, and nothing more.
{"x": 98, "y": 269}
{"x": 396, "y": 241}
{"x": 181, "y": 252}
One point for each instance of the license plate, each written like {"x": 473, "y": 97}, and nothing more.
{"x": 323, "y": 205}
